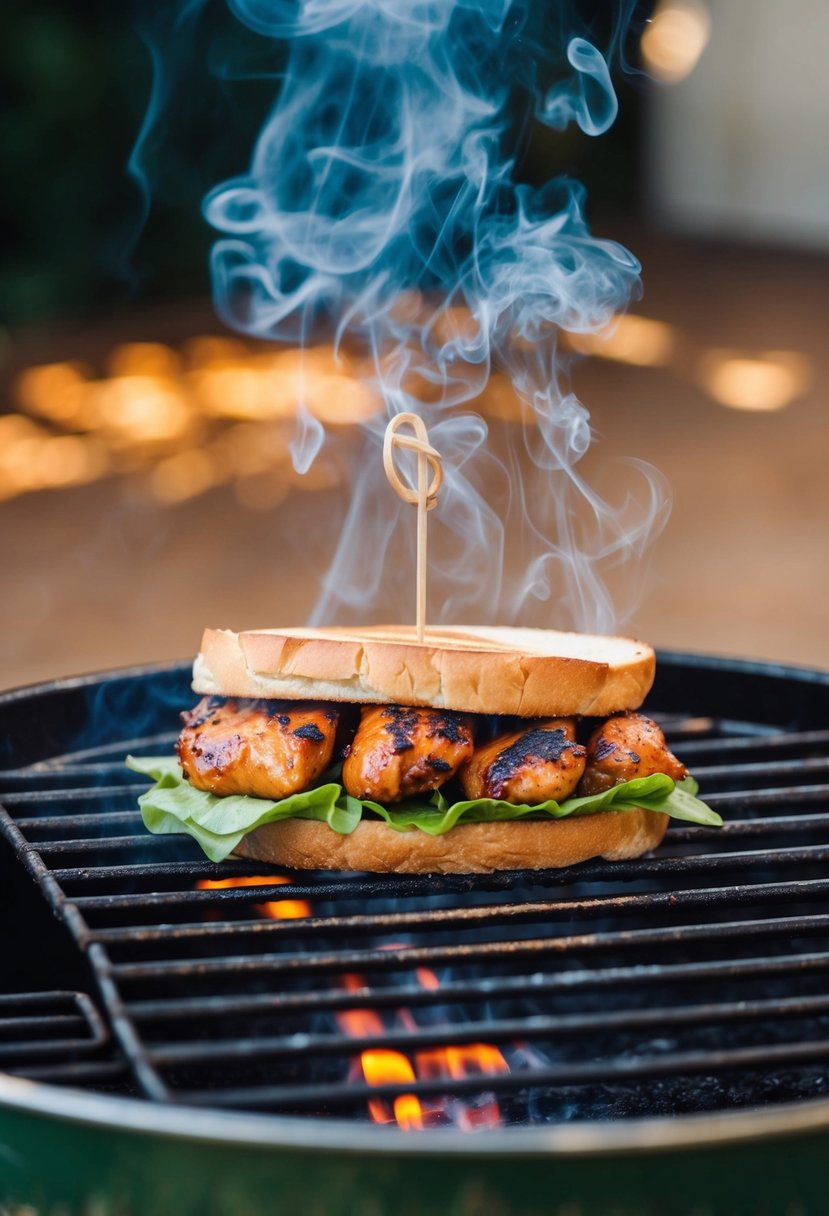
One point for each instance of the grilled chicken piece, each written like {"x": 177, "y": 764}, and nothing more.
{"x": 627, "y": 745}
{"x": 527, "y": 766}
{"x": 267, "y": 749}
{"x": 399, "y": 751}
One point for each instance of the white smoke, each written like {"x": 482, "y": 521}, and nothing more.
{"x": 380, "y": 202}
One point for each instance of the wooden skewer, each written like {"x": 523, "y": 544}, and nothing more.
{"x": 424, "y": 496}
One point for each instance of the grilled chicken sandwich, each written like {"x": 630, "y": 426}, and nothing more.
{"x": 476, "y": 750}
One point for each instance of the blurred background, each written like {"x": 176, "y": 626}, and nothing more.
{"x": 145, "y": 483}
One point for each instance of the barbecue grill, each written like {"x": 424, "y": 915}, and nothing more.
{"x": 648, "y": 1036}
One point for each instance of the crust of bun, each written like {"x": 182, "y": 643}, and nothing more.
{"x": 474, "y": 848}
{"x": 526, "y": 672}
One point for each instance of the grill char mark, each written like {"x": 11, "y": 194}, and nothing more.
{"x": 401, "y": 726}
{"x": 309, "y": 731}
{"x": 400, "y": 751}
{"x": 545, "y": 746}
{"x": 403, "y": 722}
{"x": 530, "y": 766}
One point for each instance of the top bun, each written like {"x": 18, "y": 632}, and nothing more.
{"x": 533, "y": 673}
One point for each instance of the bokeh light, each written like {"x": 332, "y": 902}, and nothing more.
{"x": 765, "y": 382}
{"x": 675, "y": 39}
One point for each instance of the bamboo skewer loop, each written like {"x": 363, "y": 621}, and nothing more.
{"x": 424, "y": 496}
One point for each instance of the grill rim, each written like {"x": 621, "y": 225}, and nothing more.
{"x": 23, "y": 692}
{"x": 583, "y": 1139}
{"x": 200, "y": 1125}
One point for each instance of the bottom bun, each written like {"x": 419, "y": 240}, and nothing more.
{"x": 472, "y": 848}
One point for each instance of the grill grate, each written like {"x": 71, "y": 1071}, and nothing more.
{"x": 56, "y": 1036}
{"x": 691, "y": 980}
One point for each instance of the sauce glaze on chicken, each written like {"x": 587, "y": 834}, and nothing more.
{"x": 625, "y": 746}
{"x": 527, "y": 766}
{"x": 271, "y": 749}
{"x": 399, "y": 751}
{"x": 268, "y": 749}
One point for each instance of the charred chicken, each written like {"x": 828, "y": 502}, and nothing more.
{"x": 268, "y": 749}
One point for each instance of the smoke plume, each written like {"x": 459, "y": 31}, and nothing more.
{"x": 381, "y": 204}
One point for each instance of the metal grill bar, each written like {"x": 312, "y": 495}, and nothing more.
{"x": 72, "y": 823}
{"x": 453, "y": 918}
{"x": 67, "y": 776}
{"x": 618, "y": 1071}
{"x": 124, "y": 1029}
{"x": 143, "y": 745}
{"x": 502, "y": 1031}
{"x": 359, "y": 890}
{"x": 412, "y": 956}
{"x": 92, "y": 1073}
{"x": 454, "y": 992}
{"x": 772, "y": 825}
{"x": 40, "y": 1025}
{"x": 739, "y": 799}
{"x": 761, "y": 769}
{"x": 48, "y": 848}
{"x": 42, "y": 1048}
{"x": 680, "y": 727}
{"x": 743, "y": 800}
{"x": 801, "y": 741}
{"x": 30, "y": 1010}
{"x": 42, "y": 797}
{"x": 45, "y": 1022}
{"x": 662, "y": 867}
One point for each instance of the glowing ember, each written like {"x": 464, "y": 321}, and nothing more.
{"x": 466, "y": 1060}
{"x": 277, "y": 909}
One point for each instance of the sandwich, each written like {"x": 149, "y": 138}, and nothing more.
{"x": 478, "y": 749}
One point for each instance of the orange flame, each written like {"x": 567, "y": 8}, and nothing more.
{"x": 427, "y": 979}
{"x": 276, "y": 909}
{"x": 381, "y": 1066}
{"x": 469, "y": 1059}
{"x": 464, "y": 1060}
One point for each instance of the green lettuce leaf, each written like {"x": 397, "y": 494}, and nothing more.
{"x": 218, "y": 824}
{"x": 657, "y": 793}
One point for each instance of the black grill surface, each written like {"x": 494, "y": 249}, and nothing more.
{"x": 694, "y": 979}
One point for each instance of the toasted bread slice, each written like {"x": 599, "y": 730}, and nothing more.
{"x": 473, "y": 848}
{"x": 472, "y": 669}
